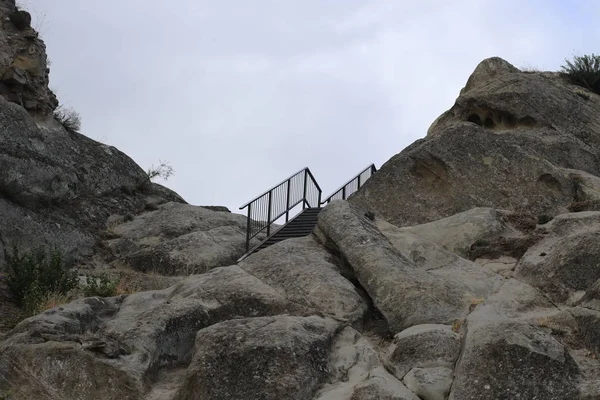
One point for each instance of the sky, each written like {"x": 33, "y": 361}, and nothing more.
{"x": 237, "y": 95}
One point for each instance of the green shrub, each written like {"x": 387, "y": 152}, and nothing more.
{"x": 31, "y": 276}
{"x": 584, "y": 71}
{"x": 102, "y": 286}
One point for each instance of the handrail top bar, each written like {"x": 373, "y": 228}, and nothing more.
{"x": 350, "y": 181}
{"x": 279, "y": 184}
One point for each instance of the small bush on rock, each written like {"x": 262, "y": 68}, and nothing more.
{"x": 32, "y": 276}
{"x": 163, "y": 170}
{"x": 584, "y": 71}
{"x": 102, "y": 286}
{"x": 69, "y": 118}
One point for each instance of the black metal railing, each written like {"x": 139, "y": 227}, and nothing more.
{"x": 352, "y": 185}
{"x": 277, "y": 202}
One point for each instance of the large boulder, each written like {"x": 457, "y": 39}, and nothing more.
{"x": 306, "y": 273}
{"x": 179, "y": 239}
{"x": 127, "y": 340}
{"x": 458, "y": 232}
{"x": 423, "y": 346}
{"x": 509, "y": 352}
{"x": 403, "y": 292}
{"x": 268, "y": 358}
{"x": 511, "y": 141}
{"x": 565, "y": 263}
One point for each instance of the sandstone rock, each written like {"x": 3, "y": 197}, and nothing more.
{"x": 356, "y": 372}
{"x": 429, "y": 383}
{"x": 438, "y": 261}
{"x": 423, "y": 346}
{"x": 458, "y": 232}
{"x": 168, "y": 240}
{"x": 305, "y": 273}
{"x": 563, "y": 265}
{"x": 127, "y": 341}
{"x": 505, "y": 353}
{"x": 260, "y": 358}
{"x": 405, "y": 294}
{"x": 504, "y": 144}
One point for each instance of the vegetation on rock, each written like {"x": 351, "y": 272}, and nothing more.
{"x": 38, "y": 276}
{"x": 584, "y": 71}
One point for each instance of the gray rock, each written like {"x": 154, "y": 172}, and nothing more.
{"x": 168, "y": 240}
{"x": 429, "y": 383}
{"x": 128, "y": 340}
{"x": 266, "y": 358}
{"x": 458, "y": 232}
{"x": 423, "y": 346}
{"x": 405, "y": 294}
{"x": 21, "y": 50}
{"x": 564, "y": 266}
{"x": 505, "y": 355}
{"x": 305, "y": 273}
{"x": 438, "y": 261}
{"x": 356, "y": 372}
{"x": 504, "y": 144}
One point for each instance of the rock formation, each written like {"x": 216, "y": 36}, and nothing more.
{"x": 457, "y": 272}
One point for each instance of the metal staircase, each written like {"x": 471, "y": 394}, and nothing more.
{"x": 300, "y": 188}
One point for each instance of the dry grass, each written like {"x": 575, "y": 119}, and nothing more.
{"x": 457, "y": 324}
{"x": 50, "y": 301}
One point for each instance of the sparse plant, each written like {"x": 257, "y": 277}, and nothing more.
{"x": 481, "y": 243}
{"x": 584, "y": 71}
{"x": 68, "y": 118}
{"x": 32, "y": 276}
{"x": 163, "y": 170}
{"x": 457, "y": 324}
{"x": 101, "y": 286}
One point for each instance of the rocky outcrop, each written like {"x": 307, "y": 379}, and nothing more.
{"x": 178, "y": 239}
{"x": 307, "y": 274}
{"x": 24, "y": 65}
{"x": 405, "y": 294}
{"x": 443, "y": 278}
{"x": 511, "y": 141}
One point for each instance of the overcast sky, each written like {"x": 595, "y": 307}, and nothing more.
{"x": 238, "y": 94}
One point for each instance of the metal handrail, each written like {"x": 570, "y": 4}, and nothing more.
{"x": 279, "y": 200}
{"x": 348, "y": 188}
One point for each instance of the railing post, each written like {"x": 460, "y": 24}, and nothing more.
{"x": 269, "y": 213}
{"x": 359, "y": 181}
{"x": 248, "y": 229}
{"x": 287, "y": 203}
{"x": 344, "y": 193}
{"x": 305, "y": 184}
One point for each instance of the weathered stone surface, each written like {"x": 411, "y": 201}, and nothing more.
{"x": 405, "y": 294}
{"x": 128, "y": 340}
{"x": 179, "y": 239}
{"x": 305, "y": 273}
{"x": 504, "y": 144}
{"x": 423, "y": 346}
{"x": 23, "y": 62}
{"x": 564, "y": 265}
{"x": 438, "y": 261}
{"x": 356, "y": 372}
{"x": 458, "y": 232}
{"x": 429, "y": 383}
{"x": 260, "y": 358}
{"x": 505, "y": 352}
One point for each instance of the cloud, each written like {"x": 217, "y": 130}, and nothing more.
{"x": 238, "y": 95}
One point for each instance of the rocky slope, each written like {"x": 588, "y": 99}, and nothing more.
{"x": 457, "y": 272}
